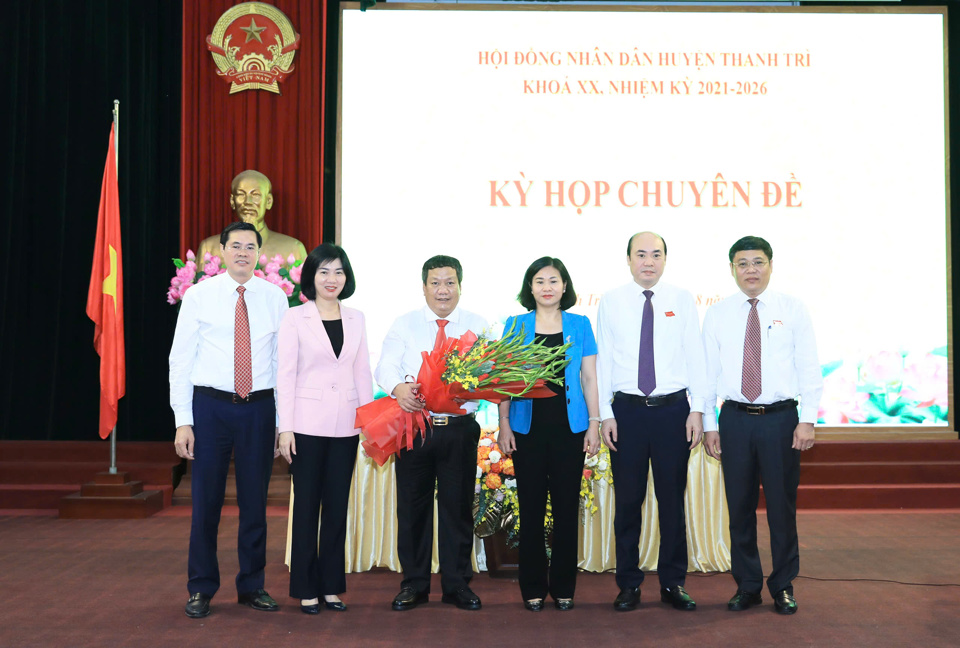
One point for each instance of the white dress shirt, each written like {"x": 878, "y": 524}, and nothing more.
{"x": 202, "y": 353}
{"x": 677, "y": 349}
{"x": 789, "y": 367}
{"x": 414, "y": 333}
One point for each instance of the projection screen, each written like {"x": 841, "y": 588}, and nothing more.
{"x": 501, "y": 134}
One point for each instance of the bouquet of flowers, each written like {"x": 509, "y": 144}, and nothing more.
{"x": 495, "y": 505}
{"x": 459, "y": 369}
{"x": 281, "y": 272}
{"x": 595, "y": 469}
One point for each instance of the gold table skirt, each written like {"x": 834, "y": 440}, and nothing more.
{"x": 372, "y": 521}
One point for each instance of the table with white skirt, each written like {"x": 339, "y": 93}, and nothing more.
{"x": 372, "y": 521}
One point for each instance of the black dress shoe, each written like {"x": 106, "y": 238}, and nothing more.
{"x": 313, "y": 608}
{"x": 678, "y": 598}
{"x": 784, "y": 603}
{"x": 336, "y": 606}
{"x": 563, "y": 604}
{"x": 198, "y": 606}
{"x": 743, "y": 600}
{"x": 258, "y": 600}
{"x": 627, "y": 599}
{"x": 409, "y": 598}
{"x": 463, "y": 598}
{"x": 534, "y": 605}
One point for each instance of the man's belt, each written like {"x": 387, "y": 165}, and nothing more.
{"x": 759, "y": 410}
{"x": 230, "y": 397}
{"x": 447, "y": 419}
{"x": 652, "y": 401}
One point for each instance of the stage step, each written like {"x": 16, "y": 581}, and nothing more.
{"x": 141, "y": 505}
{"x": 879, "y": 472}
{"x": 278, "y": 491}
{"x": 78, "y": 472}
{"x": 41, "y": 474}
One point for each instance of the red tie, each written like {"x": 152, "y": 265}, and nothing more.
{"x": 750, "y": 382}
{"x": 242, "y": 365}
{"x": 441, "y": 336}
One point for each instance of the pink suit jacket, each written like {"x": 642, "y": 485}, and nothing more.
{"x": 317, "y": 392}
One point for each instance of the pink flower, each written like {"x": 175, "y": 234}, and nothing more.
{"x": 273, "y": 278}
{"x": 212, "y": 268}
{"x": 207, "y": 256}
{"x": 191, "y": 256}
{"x": 841, "y": 402}
{"x": 884, "y": 368}
{"x": 263, "y": 260}
{"x": 295, "y": 273}
{"x": 184, "y": 288}
{"x": 291, "y": 260}
{"x": 286, "y": 286}
{"x": 925, "y": 379}
{"x": 187, "y": 272}
{"x": 259, "y": 273}
{"x": 173, "y": 296}
{"x": 273, "y": 267}
{"x": 303, "y": 298}
{"x": 278, "y": 259}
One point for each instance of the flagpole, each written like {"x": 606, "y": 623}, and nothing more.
{"x": 116, "y": 149}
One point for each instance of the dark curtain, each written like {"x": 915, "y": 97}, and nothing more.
{"x": 68, "y": 60}
{"x": 279, "y": 135}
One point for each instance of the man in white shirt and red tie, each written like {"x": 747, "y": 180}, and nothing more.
{"x": 761, "y": 357}
{"x": 650, "y": 357}
{"x": 223, "y": 371}
{"x": 445, "y": 460}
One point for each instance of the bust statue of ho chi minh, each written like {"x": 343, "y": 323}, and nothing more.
{"x": 250, "y": 198}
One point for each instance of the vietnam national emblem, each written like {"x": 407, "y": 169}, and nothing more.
{"x": 253, "y": 45}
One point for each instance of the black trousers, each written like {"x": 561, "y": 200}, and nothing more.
{"x": 549, "y": 460}
{"x": 442, "y": 465}
{"x": 757, "y": 449}
{"x": 657, "y": 437}
{"x": 247, "y": 431}
{"x": 322, "y": 473}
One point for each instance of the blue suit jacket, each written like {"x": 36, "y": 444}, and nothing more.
{"x": 576, "y": 330}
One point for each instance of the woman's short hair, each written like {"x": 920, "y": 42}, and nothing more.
{"x": 324, "y": 253}
{"x": 525, "y": 297}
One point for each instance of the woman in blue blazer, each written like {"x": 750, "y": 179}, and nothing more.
{"x": 547, "y": 437}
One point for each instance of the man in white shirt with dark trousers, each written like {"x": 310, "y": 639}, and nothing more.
{"x": 223, "y": 371}
{"x": 445, "y": 461}
{"x": 761, "y": 357}
{"x": 650, "y": 357}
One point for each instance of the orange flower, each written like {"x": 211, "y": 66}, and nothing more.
{"x": 483, "y": 452}
{"x": 484, "y": 466}
{"x": 496, "y": 467}
{"x": 587, "y": 473}
{"x": 493, "y": 481}
{"x": 508, "y": 466}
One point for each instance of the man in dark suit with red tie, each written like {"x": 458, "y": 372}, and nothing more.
{"x": 761, "y": 359}
{"x": 223, "y": 373}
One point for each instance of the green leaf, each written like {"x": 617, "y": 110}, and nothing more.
{"x": 178, "y": 263}
{"x": 830, "y": 367}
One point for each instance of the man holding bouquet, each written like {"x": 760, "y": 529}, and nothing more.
{"x": 442, "y": 461}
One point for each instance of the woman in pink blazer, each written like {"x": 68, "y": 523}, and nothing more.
{"x": 323, "y": 376}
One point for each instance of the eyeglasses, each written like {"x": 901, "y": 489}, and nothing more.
{"x": 743, "y": 265}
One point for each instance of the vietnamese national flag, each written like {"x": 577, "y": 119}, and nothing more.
{"x": 105, "y": 297}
